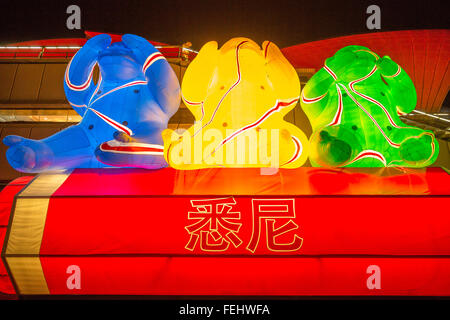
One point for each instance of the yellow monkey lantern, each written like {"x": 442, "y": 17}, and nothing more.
{"x": 239, "y": 95}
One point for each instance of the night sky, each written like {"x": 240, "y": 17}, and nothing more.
{"x": 175, "y": 22}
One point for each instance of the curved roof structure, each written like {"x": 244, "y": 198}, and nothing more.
{"x": 67, "y": 47}
{"x": 423, "y": 54}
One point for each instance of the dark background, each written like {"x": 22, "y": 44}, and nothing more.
{"x": 177, "y": 21}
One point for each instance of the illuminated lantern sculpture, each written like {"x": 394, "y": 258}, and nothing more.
{"x": 354, "y": 103}
{"x": 136, "y": 94}
{"x": 238, "y": 95}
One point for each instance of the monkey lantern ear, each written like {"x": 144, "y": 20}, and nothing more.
{"x": 198, "y": 75}
{"x": 281, "y": 73}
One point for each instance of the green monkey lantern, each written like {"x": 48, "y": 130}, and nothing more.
{"x": 354, "y": 103}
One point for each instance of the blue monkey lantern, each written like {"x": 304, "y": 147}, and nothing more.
{"x": 123, "y": 114}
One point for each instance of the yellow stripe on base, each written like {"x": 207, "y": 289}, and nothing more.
{"x": 28, "y": 275}
{"x": 26, "y": 231}
{"x": 27, "y": 226}
{"x": 44, "y": 185}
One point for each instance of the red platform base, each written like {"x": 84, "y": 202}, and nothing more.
{"x": 230, "y": 232}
